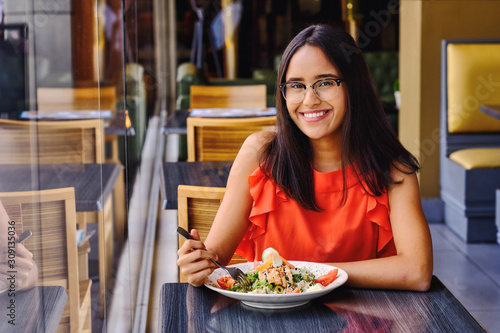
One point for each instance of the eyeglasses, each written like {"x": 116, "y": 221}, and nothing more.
{"x": 325, "y": 90}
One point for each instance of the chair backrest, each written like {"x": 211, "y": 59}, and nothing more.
{"x": 51, "y": 216}
{"x": 197, "y": 207}
{"x": 237, "y": 96}
{"x": 76, "y": 98}
{"x": 220, "y": 139}
{"x": 470, "y": 77}
{"x": 43, "y": 142}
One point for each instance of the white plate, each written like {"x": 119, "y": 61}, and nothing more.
{"x": 278, "y": 301}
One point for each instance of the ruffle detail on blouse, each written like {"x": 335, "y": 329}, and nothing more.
{"x": 377, "y": 211}
{"x": 267, "y": 197}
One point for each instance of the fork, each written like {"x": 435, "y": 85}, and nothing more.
{"x": 234, "y": 272}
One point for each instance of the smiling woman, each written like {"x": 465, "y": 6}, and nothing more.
{"x": 318, "y": 113}
{"x": 333, "y": 184}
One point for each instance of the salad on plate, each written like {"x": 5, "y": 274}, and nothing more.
{"x": 275, "y": 275}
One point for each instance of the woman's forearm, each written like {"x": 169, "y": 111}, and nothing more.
{"x": 396, "y": 272}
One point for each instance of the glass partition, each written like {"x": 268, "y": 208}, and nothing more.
{"x": 77, "y": 87}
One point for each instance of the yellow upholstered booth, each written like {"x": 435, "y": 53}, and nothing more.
{"x": 476, "y": 158}
{"x": 473, "y": 79}
{"x": 470, "y": 139}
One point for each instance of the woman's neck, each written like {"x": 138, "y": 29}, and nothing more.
{"x": 327, "y": 155}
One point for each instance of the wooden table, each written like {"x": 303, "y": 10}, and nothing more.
{"x": 36, "y": 310}
{"x": 184, "y": 308}
{"x": 213, "y": 173}
{"x": 93, "y": 185}
{"x": 491, "y": 110}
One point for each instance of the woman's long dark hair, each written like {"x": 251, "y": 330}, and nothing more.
{"x": 369, "y": 143}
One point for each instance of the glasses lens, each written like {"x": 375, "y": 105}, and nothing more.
{"x": 294, "y": 92}
{"x": 326, "y": 90}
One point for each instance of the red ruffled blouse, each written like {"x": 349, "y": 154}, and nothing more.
{"x": 358, "y": 230}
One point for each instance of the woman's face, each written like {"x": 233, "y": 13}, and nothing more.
{"x": 316, "y": 118}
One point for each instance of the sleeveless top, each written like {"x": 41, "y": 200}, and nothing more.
{"x": 358, "y": 230}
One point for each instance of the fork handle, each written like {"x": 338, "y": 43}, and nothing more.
{"x": 181, "y": 231}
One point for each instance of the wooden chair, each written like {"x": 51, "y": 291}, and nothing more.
{"x": 54, "y": 142}
{"x": 220, "y": 139}
{"x": 45, "y": 142}
{"x": 197, "y": 207}
{"x": 249, "y": 96}
{"x": 470, "y": 140}
{"x": 51, "y": 216}
{"x": 81, "y": 98}
{"x": 91, "y": 98}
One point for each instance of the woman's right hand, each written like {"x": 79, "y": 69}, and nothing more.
{"x": 26, "y": 270}
{"x": 194, "y": 260}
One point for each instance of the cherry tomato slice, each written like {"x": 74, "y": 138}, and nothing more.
{"x": 295, "y": 291}
{"x": 226, "y": 282}
{"x": 328, "y": 278}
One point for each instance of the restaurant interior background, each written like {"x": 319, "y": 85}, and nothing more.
{"x": 125, "y": 56}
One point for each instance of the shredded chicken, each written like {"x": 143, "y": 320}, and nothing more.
{"x": 276, "y": 276}
{"x": 288, "y": 273}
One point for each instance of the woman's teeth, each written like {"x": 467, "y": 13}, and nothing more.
{"x": 314, "y": 114}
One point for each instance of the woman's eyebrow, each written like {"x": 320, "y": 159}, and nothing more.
{"x": 295, "y": 79}
{"x": 316, "y": 77}
{"x": 324, "y": 76}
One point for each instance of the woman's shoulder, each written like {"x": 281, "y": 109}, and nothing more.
{"x": 248, "y": 158}
{"x": 259, "y": 140}
{"x": 399, "y": 172}
{"x": 254, "y": 144}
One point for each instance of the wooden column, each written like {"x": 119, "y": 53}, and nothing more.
{"x": 84, "y": 31}
{"x": 231, "y": 41}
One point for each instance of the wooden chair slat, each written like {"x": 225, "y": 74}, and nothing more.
{"x": 212, "y": 139}
{"x": 51, "y": 216}
{"x": 197, "y": 207}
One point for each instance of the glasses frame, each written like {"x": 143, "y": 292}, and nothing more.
{"x": 338, "y": 81}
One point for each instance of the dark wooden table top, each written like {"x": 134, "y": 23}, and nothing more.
{"x": 35, "y": 310}
{"x": 184, "y": 308}
{"x": 491, "y": 110}
{"x": 210, "y": 173}
{"x": 93, "y": 183}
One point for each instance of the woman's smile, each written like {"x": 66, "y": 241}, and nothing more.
{"x": 316, "y": 115}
